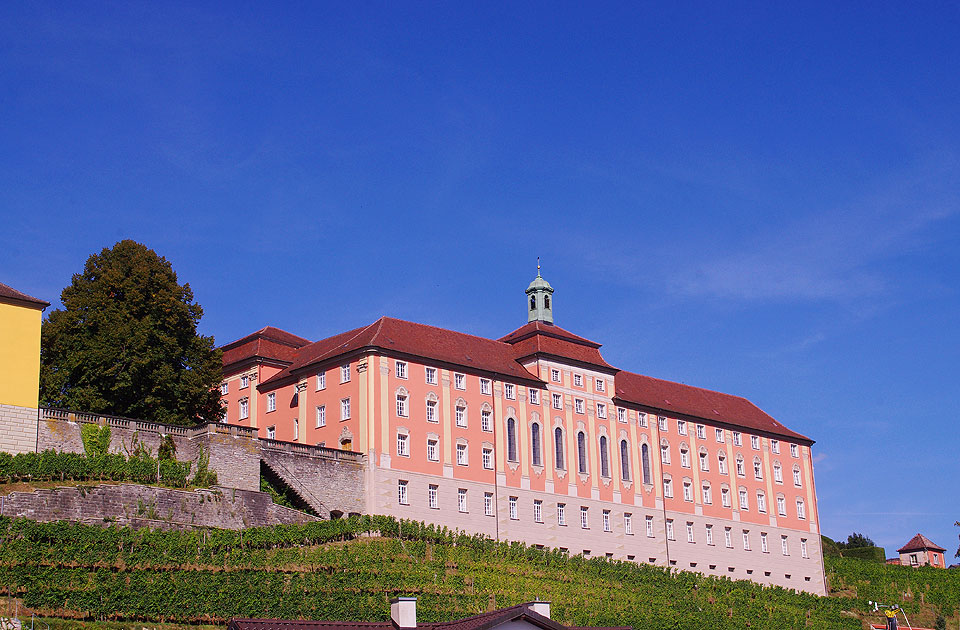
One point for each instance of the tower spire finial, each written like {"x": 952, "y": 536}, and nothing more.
{"x": 538, "y": 296}
{"x": 538, "y": 266}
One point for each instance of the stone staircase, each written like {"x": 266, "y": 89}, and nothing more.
{"x": 302, "y": 491}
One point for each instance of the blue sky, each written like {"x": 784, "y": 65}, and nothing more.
{"x": 757, "y": 199}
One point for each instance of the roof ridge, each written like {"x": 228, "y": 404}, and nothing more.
{"x": 449, "y": 330}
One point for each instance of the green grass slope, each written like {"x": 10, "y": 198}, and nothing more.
{"x": 349, "y": 569}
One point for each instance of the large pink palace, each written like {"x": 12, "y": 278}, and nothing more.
{"x": 534, "y": 437}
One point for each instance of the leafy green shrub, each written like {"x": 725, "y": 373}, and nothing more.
{"x": 96, "y": 439}
{"x": 174, "y": 474}
{"x": 876, "y": 554}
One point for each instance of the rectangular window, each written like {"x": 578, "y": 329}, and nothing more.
{"x": 557, "y": 401}
{"x": 701, "y": 432}
{"x": 796, "y": 477}
{"x": 534, "y": 396}
{"x": 684, "y": 457}
{"x": 681, "y": 427}
{"x": 707, "y": 495}
{"x": 737, "y": 439}
{"x": 486, "y": 421}
{"x": 296, "y": 430}
{"x": 460, "y": 381}
{"x": 642, "y": 420}
{"x": 401, "y": 405}
{"x": 401, "y": 369}
{"x": 461, "y": 454}
{"x": 783, "y": 546}
{"x": 621, "y": 415}
{"x": 584, "y": 517}
{"x": 801, "y": 510}
{"x": 755, "y": 442}
{"x": 561, "y": 513}
{"x": 649, "y": 523}
{"x": 537, "y": 511}
{"x": 271, "y": 433}
{"x": 462, "y": 499}
{"x": 668, "y": 488}
{"x": 487, "y": 454}
{"x": 244, "y": 408}
{"x": 244, "y": 381}
{"x": 670, "y": 532}
{"x": 432, "y": 411}
{"x": 578, "y": 380}
{"x": 725, "y": 497}
{"x": 321, "y": 380}
{"x": 271, "y": 402}
{"x": 687, "y": 491}
{"x": 606, "y": 521}
{"x": 761, "y": 502}
{"x": 321, "y": 416}
{"x": 628, "y": 523}
{"x": 803, "y": 548}
{"x": 746, "y": 540}
{"x": 794, "y": 450}
{"x": 704, "y": 461}
{"x": 513, "y": 509}
{"x": 690, "y": 538}
{"x": 744, "y": 500}
{"x": 461, "y": 415}
{"x": 775, "y": 446}
{"x": 432, "y": 497}
{"x": 433, "y": 452}
{"x": 709, "y": 534}
{"x": 509, "y": 391}
{"x": 488, "y": 504}
{"x": 727, "y": 538}
{"x": 602, "y": 411}
{"x": 781, "y": 506}
{"x": 344, "y": 408}
{"x": 763, "y": 543}
{"x": 345, "y": 373}
{"x": 555, "y": 375}
{"x": 430, "y": 374}
{"x": 719, "y": 433}
{"x": 578, "y": 405}
{"x": 224, "y": 389}
{"x": 485, "y": 386}
{"x": 403, "y": 445}
{"x": 402, "y": 492}
{"x": 601, "y": 384}
{"x": 665, "y": 454}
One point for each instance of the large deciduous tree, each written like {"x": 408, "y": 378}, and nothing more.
{"x": 126, "y": 343}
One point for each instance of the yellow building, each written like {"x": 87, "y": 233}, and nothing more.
{"x": 20, "y": 318}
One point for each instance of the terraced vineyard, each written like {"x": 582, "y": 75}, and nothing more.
{"x": 348, "y": 570}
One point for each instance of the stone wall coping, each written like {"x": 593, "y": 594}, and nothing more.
{"x": 310, "y": 451}
{"x": 47, "y": 413}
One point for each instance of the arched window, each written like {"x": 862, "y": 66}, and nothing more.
{"x": 546, "y": 301}
{"x": 645, "y": 462}
{"x": 535, "y": 444}
{"x": 558, "y": 447}
{"x": 582, "y": 452}
{"x": 604, "y": 457}
{"x": 533, "y": 303}
{"x": 757, "y": 469}
{"x": 511, "y": 439}
{"x": 624, "y": 460}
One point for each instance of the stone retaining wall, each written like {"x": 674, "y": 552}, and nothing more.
{"x": 147, "y": 506}
{"x": 18, "y": 429}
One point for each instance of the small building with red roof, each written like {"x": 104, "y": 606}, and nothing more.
{"x": 921, "y": 551}
{"x": 535, "y": 437}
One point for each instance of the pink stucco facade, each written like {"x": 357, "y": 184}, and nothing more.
{"x": 549, "y": 452}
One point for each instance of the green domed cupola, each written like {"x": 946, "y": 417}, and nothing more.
{"x": 540, "y": 300}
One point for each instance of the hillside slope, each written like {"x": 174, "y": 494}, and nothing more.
{"x": 349, "y": 569}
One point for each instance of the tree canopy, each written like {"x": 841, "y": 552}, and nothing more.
{"x": 126, "y": 343}
{"x": 855, "y": 541}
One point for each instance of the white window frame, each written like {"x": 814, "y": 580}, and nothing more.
{"x": 244, "y": 381}
{"x": 321, "y": 416}
{"x": 649, "y": 525}
{"x": 402, "y": 410}
{"x": 628, "y": 523}
{"x": 537, "y": 510}
{"x": 781, "y": 506}
{"x": 584, "y": 517}
{"x": 796, "y": 478}
{"x": 224, "y": 388}
{"x": 345, "y": 373}
{"x": 777, "y": 473}
{"x": 684, "y": 457}
{"x": 764, "y": 547}
{"x": 459, "y": 381}
{"x": 271, "y": 402}
{"x": 704, "y": 461}
{"x": 662, "y": 423}
{"x": 728, "y": 537}
{"x": 690, "y": 536}
{"x": 488, "y": 504}
{"x": 669, "y": 527}
{"x": 668, "y": 488}
{"x": 688, "y": 491}
{"x": 784, "y": 546}
{"x": 755, "y": 442}
{"x": 403, "y": 444}
{"x": 487, "y": 458}
{"x": 707, "y": 493}
{"x": 534, "y": 396}
{"x": 272, "y": 432}
{"x": 403, "y": 498}
{"x": 485, "y": 386}
{"x": 462, "y": 504}
{"x": 433, "y": 450}
{"x": 737, "y": 438}
{"x": 719, "y": 435}
{"x": 432, "y": 502}
{"x": 602, "y": 410}
{"x": 462, "y": 455}
{"x": 562, "y": 514}
{"x": 401, "y": 369}
{"x": 775, "y": 446}
{"x": 725, "y": 497}
{"x": 701, "y": 432}
{"x": 803, "y": 548}
{"x": 794, "y": 450}
{"x": 682, "y": 427}
{"x": 601, "y": 385}
{"x": 345, "y": 408}
{"x": 244, "y": 408}
{"x": 606, "y": 521}
{"x": 746, "y": 540}
{"x": 460, "y": 415}
{"x": 641, "y": 419}
{"x": 801, "y": 509}
{"x": 621, "y": 415}
{"x": 512, "y": 506}
{"x": 578, "y": 405}
{"x": 722, "y": 463}
{"x": 509, "y": 391}
{"x": 555, "y": 375}
{"x": 321, "y": 381}
{"x": 744, "y": 500}
{"x": 557, "y": 400}
{"x": 430, "y": 375}
{"x": 761, "y": 501}
{"x": 486, "y": 420}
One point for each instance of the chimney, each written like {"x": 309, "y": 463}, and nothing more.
{"x": 541, "y": 608}
{"x": 403, "y": 612}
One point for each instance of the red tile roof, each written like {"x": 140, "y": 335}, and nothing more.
{"x": 267, "y": 343}
{"x": 538, "y": 338}
{"x": 10, "y": 293}
{"x": 701, "y": 403}
{"x": 483, "y": 621}
{"x": 920, "y": 543}
{"x": 429, "y": 342}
